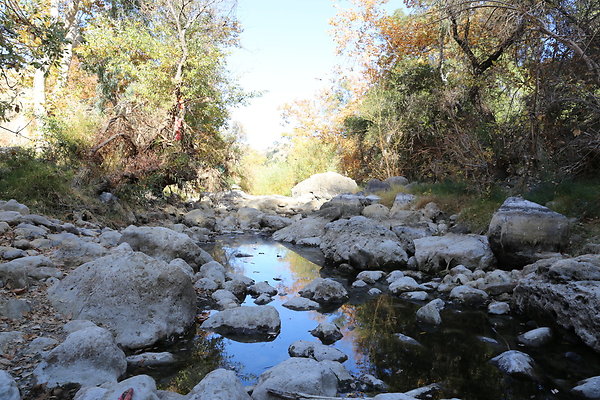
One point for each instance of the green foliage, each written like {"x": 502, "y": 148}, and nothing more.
{"x": 67, "y": 137}
{"x": 34, "y": 181}
{"x": 580, "y": 198}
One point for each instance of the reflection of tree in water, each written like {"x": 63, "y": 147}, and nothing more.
{"x": 208, "y": 353}
{"x": 303, "y": 271}
{"x": 449, "y": 355}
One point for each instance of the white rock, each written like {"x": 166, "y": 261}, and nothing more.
{"x": 515, "y": 363}
{"x": 359, "y": 284}
{"x": 8, "y": 387}
{"x": 394, "y": 276}
{"x": 325, "y": 291}
{"x": 245, "y": 321}
{"x": 430, "y": 313}
{"x": 405, "y": 284}
{"x": 468, "y": 295}
{"x": 436, "y": 253}
{"x": 301, "y": 304}
{"x": 498, "y": 308}
{"x": 144, "y": 388}
{"x": 536, "y": 337}
{"x": 588, "y": 388}
{"x": 370, "y": 276}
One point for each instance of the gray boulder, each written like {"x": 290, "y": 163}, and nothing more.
{"x": 13, "y": 205}
{"x": 536, "y": 337}
{"x": 430, "y": 312}
{"x": 249, "y": 218}
{"x": 151, "y": 359}
{"x": 300, "y": 375}
{"x": 521, "y": 229}
{"x": 261, "y": 288}
{"x": 199, "y": 218}
{"x": 396, "y": 181}
{"x": 327, "y": 332}
{"x": 301, "y": 232}
{"x": 402, "y": 202}
{"x": 588, "y": 388}
{"x": 144, "y": 388}
{"x": 407, "y": 235}
{"x": 362, "y": 243}
{"x": 139, "y": 298}
{"x": 220, "y": 384}
{"x": 75, "y": 251}
{"x": 436, "y": 253}
{"x": 370, "y": 276}
{"x": 404, "y": 284}
{"x": 515, "y": 363}
{"x": 468, "y": 295}
{"x": 256, "y": 321}
{"x": 17, "y": 273}
{"x": 377, "y": 212}
{"x": 498, "y": 308}
{"x": 87, "y": 357}
{"x": 324, "y": 186}
{"x": 275, "y": 222}
{"x": 566, "y": 291}
{"x": 325, "y": 291}
{"x": 165, "y": 244}
{"x": 14, "y": 308}
{"x": 375, "y": 185}
{"x": 8, "y": 387}
{"x": 301, "y": 304}
{"x": 316, "y": 351}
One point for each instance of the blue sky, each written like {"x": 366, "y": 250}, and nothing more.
{"x": 287, "y": 53}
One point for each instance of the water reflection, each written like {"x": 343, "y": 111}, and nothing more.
{"x": 454, "y": 354}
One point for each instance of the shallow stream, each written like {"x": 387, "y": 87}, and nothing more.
{"x": 457, "y": 353}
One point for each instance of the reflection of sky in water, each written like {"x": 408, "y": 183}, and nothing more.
{"x": 292, "y": 272}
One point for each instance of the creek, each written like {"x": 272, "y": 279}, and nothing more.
{"x": 457, "y": 353}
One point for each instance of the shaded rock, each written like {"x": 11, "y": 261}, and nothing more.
{"x": 404, "y": 284}
{"x": 14, "y": 308}
{"x": 300, "y": 375}
{"x": 407, "y": 340}
{"x": 29, "y": 231}
{"x": 139, "y": 298}
{"x": 77, "y": 325}
{"x": 402, "y": 202}
{"x": 74, "y": 252}
{"x": 183, "y": 266}
{"x": 275, "y": 222}
{"x": 206, "y": 284}
{"x": 301, "y": 304}
{"x": 199, "y": 218}
{"x": 327, "y": 332}
{"x": 373, "y": 382}
{"x": 397, "y": 181}
{"x": 260, "y": 288}
{"x": 214, "y": 271}
{"x": 144, "y": 388}
{"x": 88, "y": 357}
{"x": 436, "y": 253}
{"x": 165, "y": 244}
{"x": 394, "y": 276}
{"x": 13, "y": 205}
{"x": 374, "y": 292}
{"x": 11, "y": 217}
{"x": 316, "y": 351}
{"x": 407, "y": 235}
{"x": 468, "y": 295}
{"x": 520, "y": 229}
{"x": 415, "y": 296}
{"x": 498, "y": 308}
{"x": 515, "y": 363}
{"x": 8, "y": 340}
{"x": 8, "y": 387}
{"x": 430, "y": 312}
{"x": 151, "y": 359}
{"x": 375, "y": 185}
{"x": 362, "y": 243}
{"x": 325, "y": 185}
{"x": 110, "y": 238}
{"x": 536, "y": 337}
{"x": 377, "y": 212}
{"x": 263, "y": 299}
{"x": 40, "y": 344}
{"x": 301, "y": 231}
{"x": 249, "y": 218}
{"x": 325, "y": 291}
{"x": 359, "y": 284}
{"x": 370, "y": 276}
{"x": 572, "y": 304}
{"x": 220, "y": 384}
{"x": 225, "y": 299}
{"x": 245, "y": 321}
{"x": 15, "y": 273}
{"x": 497, "y": 282}
{"x": 588, "y": 388}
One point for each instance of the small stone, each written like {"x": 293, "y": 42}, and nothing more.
{"x": 327, "y": 332}
{"x": 536, "y": 337}
{"x": 415, "y": 296}
{"x": 373, "y": 382}
{"x": 498, "y": 308}
{"x": 430, "y": 313}
{"x": 359, "y": 284}
{"x": 263, "y": 299}
{"x": 301, "y": 304}
{"x": 374, "y": 292}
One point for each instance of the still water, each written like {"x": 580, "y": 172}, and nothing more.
{"x": 456, "y": 354}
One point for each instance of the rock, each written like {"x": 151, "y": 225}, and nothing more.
{"x": 88, "y": 357}
{"x": 436, "y": 253}
{"x": 110, "y": 238}
{"x": 402, "y": 202}
{"x": 238, "y": 287}
{"x": 520, "y": 229}
{"x": 206, "y": 284}
{"x": 300, "y": 375}
{"x": 40, "y": 344}
{"x": 405, "y": 284}
{"x": 394, "y": 276}
{"x": 370, "y": 276}
{"x": 498, "y": 282}
{"x": 515, "y": 363}
{"x": 324, "y": 186}
{"x": 327, "y": 332}
{"x": 74, "y": 252}
{"x": 140, "y": 299}
{"x": 249, "y": 218}
{"x": 301, "y": 304}
{"x": 407, "y": 235}
{"x": 345, "y": 206}
{"x": 498, "y": 308}
{"x": 430, "y": 312}
{"x": 165, "y": 244}
{"x": 263, "y": 299}
{"x": 374, "y": 292}
{"x": 397, "y": 181}
{"x": 377, "y": 212}
{"x": 572, "y": 304}
{"x": 77, "y": 325}
{"x": 362, "y": 243}
{"x": 4, "y": 227}
{"x": 225, "y": 299}
{"x": 536, "y": 337}
{"x": 275, "y": 222}
{"x": 199, "y": 218}
{"x": 301, "y": 232}
{"x": 468, "y": 295}
{"x": 15, "y": 273}
{"x": 375, "y": 185}
{"x": 14, "y": 308}
{"x": 345, "y": 380}
{"x": 220, "y": 384}
{"x": 395, "y": 396}
{"x": 407, "y": 340}
{"x": 13, "y": 205}
{"x": 144, "y": 388}
{"x": 29, "y": 232}
{"x": 8, "y": 387}
{"x": 150, "y": 359}
{"x": 11, "y": 217}
{"x": 8, "y": 340}
{"x": 214, "y": 271}
{"x": 260, "y": 288}
{"x": 415, "y": 296}
{"x": 359, "y": 284}
{"x": 325, "y": 291}
{"x": 316, "y": 351}
{"x": 431, "y": 211}
{"x": 183, "y": 266}
{"x": 245, "y": 321}
{"x": 588, "y": 388}
{"x": 373, "y": 382}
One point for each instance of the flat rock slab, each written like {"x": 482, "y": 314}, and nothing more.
{"x": 253, "y": 322}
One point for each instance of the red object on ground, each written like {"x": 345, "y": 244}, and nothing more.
{"x": 127, "y": 395}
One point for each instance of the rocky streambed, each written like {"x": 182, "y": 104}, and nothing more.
{"x": 206, "y": 302}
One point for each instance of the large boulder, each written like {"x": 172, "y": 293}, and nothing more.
{"x": 88, "y": 357}
{"x": 325, "y": 185}
{"x": 566, "y": 291}
{"x": 520, "y": 230}
{"x": 74, "y": 251}
{"x": 139, "y": 298}
{"x": 346, "y": 206}
{"x": 363, "y": 243}
{"x": 144, "y": 388}
{"x": 220, "y": 384}
{"x": 249, "y": 218}
{"x": 13, "y": 205}
{"x": 165, "y": 244}
{"x": 307, "y": 231}
{"x": 259, "y": 321}
{"x": 375, "y": 185}
{"x": 199, "y": 218}
{"x": 436, "y": 253}
{"x": 297, "y": 375}
{"x": 16, "y": 273}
